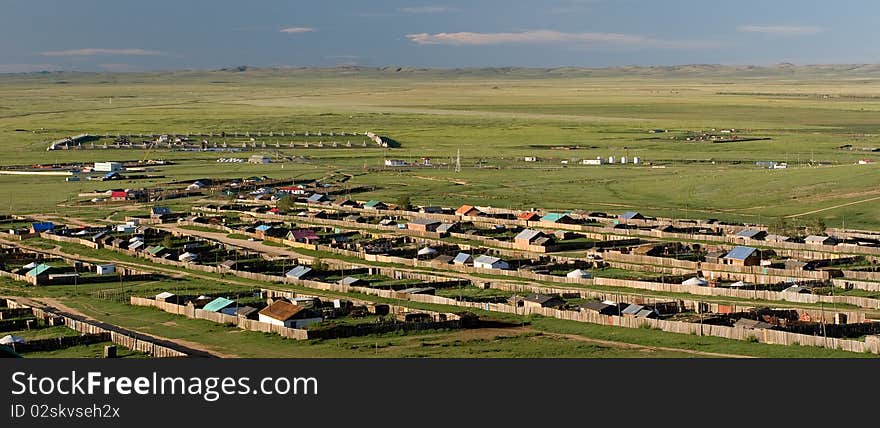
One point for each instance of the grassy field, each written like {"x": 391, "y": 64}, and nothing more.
{"x": 495, "y": 118}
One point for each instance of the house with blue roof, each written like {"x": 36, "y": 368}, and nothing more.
{"x": 43, "y": 226}
{"x": 742, "y": 256}
{"x": 561, "y": 218}
{"x": 631, "y": 215}
{"x": 317, "y": 198}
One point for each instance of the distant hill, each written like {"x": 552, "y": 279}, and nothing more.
{"x": 686, "y": 70}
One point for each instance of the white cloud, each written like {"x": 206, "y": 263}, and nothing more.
{"x": 550, "y": 36}
{"x": 103, "y": 51}
{"x": 27, "y": 68}
{"x": 781, "y": 30}
{"x": 428, "y": 9}
{"x": 297, "y": 30}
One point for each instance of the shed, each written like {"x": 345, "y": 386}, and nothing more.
{"x": 423, "y": 225}
{"x": 299, "y": 272}
{"x": 463, "y": 259}
{"x": 287, "y": 314}
{"x": 106, "y": 269}
{"x": 751, "y": 234}
{"x": 820, "y": 240}
{"x": 489, "y": 262}
{"x": 631, "y": 215}
{"x": 375, "y": 205}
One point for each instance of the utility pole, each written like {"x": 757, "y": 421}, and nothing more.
{"x": 458, "y": 160}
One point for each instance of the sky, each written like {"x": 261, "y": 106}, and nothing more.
{"x": 123, "y": 35}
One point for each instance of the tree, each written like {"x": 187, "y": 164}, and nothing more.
{"x": 404, "y": 203}
{"x": 285, "y": 203}
{"x": 816, "y": 226}
{"x": 168, "y": 241}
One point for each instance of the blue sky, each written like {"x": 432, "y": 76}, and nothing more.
{"x": 122, "y": 35}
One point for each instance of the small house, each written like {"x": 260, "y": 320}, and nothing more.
{"x": 423, "y": 225}
{"x": 527, "y": 237}
{"x": 307, "y": 236}
{"x": 599, "y": 307}
{"x": 375, "y": 205}
{"x": 188, "y": 257}
{"x": 107, "y": 269}
{"x": 820, "y": 240}
{"x": 218, "y": 304}
{"x": 299, "y": 272}
{"x": 468, "y": 211}
{"x": 560, "y": 218}
{"x": 541, "y": 301}
{"x": 286, "y": 314}
{"x": 248, "y": 312}
{"x": 751, "y": 234}
{"x": 529, "y": 216}
{"x": 630, "y": 215}
{"x": 463, "y": 259}
{"x": 353, "y": 282}
{"x": 166, "y": 297}
{"x": 43, "y": 226}
{"x": 742, "y": 256}
{"x": 317, "y": 198}
{"x": 489, "y": 262}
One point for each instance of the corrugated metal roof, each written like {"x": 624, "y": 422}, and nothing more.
{"x": 553, "y": 217}
{"x": 528, "y": 235}
{"x": 38, "y": 270}
{"x": 263, "y": 227}
{"x": 749, "y": 233}
{"x": 298, "y": 272}
{"x": 630, "y": 215}
{"x": 218, "y": 304}
{"x": 740, "y": 252}
{"x": 489, "y": 260}
{"x": 462, "y": 258}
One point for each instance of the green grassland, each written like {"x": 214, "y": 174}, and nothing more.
{"x": 493, "y": 117}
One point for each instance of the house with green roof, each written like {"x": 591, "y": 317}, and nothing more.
{"x": 41, "y": 269}
{"x": 218, "y": 304}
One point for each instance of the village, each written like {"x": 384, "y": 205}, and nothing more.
{"x": 306, "y": 241}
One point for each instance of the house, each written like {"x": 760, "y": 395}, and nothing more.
{"x": 118, "y": 195}
{"x": 751, "y": 234}
{"x": 126, "y": 229}
{"x": 447, "y": 228}
{"x": 218, "y": 304}
{"x": 261, "y": 230}
{"x": 426, "y": 253}
{"x": 468, "y": 211}
{"x": 489, "y": 262}
{"x": 166, "y": 297}
{"x": 527, "y": 237}
{"x": 345, "y": 202}
{"x": 600, "y": 308}
{"x": 463, "y": 259}
{"x": 248, "y": 312}
{"x": 630, "y": 215}
{"x": 354, "y": 218}
{"x": 299, "y": 272}
{"x": 558, "y": 218}
{"x": 259, "y": 159}
{"x": 307, "y": 236}
{"x": 317, "y": 198}
{"x": 159, "y": 213}
{"x": 423, "y": 225}
{"x": 43, "y": 226}
{"x": 579, "y": 274}
{"x": 99, "y": 236}
{"x": 387, "y": 222}
{"x": 820, "y": 240}
{"x": 107, "y": 166}
{"x": 639, "y": 311}
{"x": 431, "y": 210}
{"x": 529, "y": 216}
{"x": 188, "y": 257}
{"x": 157, "y": 251}
{"x": 715, "y": 256}
{"x": 283, "y": 313}
{"x": 105, "y": 269}
{"x": 375, "y": 205}
{"x": 749, "y": 324}
{"x": 742, "y": 256}
{"x": 353, "y": 282}
{"x": 38, "y": 271}
{"x": 541, "y": 301}
{"x": 136, "y": 246}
